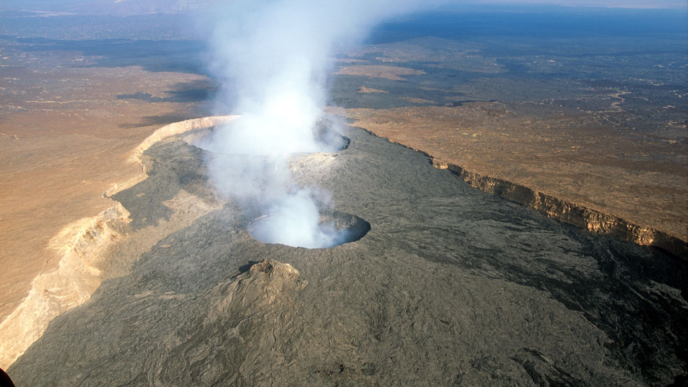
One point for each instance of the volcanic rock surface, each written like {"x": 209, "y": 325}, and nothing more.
{"x": 451, "y": 286}
{"x": 597, "y": 124}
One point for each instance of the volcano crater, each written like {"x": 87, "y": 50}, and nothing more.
{"x": 333, "y": 229}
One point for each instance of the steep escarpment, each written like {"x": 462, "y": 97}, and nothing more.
{"x": 81, "y": 245}
{"x": 65, "y": 135}
{"x": 575, "y": 169}
{"x": 88, "y": 245}
{"x": 571, "y": 213}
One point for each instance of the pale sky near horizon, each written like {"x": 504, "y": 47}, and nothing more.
{"x": 647, "y": 4}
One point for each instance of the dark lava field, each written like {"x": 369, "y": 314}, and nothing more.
{"x": 450, "y": 286}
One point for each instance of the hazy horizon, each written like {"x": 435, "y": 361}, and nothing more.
{"x": 162, "y": 6}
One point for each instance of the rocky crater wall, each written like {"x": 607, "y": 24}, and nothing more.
{"x": 570, "y": 213}
{"x": 81, "y": 244}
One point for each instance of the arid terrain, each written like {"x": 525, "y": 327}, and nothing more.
{"x": 67, "y": 129}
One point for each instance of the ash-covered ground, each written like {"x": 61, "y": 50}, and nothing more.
{"x": 451, "y": 286}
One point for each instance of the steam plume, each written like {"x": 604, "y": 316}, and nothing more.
{"x": 274, "y": 57}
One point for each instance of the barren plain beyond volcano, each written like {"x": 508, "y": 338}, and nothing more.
{"x": 451, "y": 285}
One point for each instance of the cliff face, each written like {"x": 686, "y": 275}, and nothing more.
{"x": 65, "y": 136}
{"x": 83, "y": 247}
{"x": 571, "y": 213}
{"x": 577, "y": 170}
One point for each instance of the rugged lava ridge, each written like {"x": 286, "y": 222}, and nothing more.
{"x": 450, "y": 286}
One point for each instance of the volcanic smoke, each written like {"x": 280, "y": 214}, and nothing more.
{"x": 273, "y": 58}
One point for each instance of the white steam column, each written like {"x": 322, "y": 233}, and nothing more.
{"x": 275, "y": 57}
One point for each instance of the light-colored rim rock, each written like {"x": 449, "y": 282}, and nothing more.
{"x": 80, "y": 245}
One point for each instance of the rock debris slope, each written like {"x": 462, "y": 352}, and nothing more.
{"x": 451, "y": 286}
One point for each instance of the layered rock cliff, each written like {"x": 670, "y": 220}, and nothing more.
{"x": 83, "y": 246}
{"x": 570, "y": 213}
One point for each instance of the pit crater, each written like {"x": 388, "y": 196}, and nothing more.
{"x": 323, "y": 134}
{"x": 334, "y": 228}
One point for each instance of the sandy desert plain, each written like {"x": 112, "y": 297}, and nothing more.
{"x": 529, "y": 229}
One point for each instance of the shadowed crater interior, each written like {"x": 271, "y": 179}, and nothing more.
{"x": 333, "y": 229}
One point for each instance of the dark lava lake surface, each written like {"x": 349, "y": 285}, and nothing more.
{"x": 450, "y": 286}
